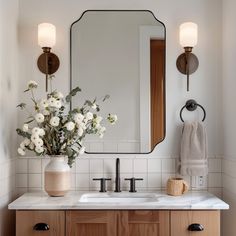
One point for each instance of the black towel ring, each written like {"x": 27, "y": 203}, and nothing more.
{"x": 191, "y": 105}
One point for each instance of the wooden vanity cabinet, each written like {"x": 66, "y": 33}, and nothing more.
{"x": 91, "y": 223}
{"x": 143, "y": 223}
{"x": 28, "y": 221}
{"x": 181, "y": 220}
{"x": 118, "y": 223}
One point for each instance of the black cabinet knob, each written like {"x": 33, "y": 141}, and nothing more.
{"x": 102, "y": 184}
{"x": 41, "y": 227}
{"x": 195, "y": 227}
{"x": 132, "y": 184}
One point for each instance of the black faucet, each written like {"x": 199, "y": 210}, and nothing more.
{"x": 117, "y": 180}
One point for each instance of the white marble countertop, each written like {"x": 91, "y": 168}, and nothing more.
{"x": 190, "y": 200}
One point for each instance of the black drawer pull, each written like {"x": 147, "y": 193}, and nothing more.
{"x": 41, "y": 227}
{"x": 195, "y": 227}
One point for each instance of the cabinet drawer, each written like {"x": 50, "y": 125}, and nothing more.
{"x": 26, "y": 221}
{"x": 181, "y": 220}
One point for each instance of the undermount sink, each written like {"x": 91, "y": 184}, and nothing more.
{"x": 118, "y": 198}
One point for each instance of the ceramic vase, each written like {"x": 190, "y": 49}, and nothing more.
{"x": 57, "y": 176}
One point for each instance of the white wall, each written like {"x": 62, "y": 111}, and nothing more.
{"x": 207, "y": 14}
{"x": 205, "y": 84}
{"x": 229, "y": 115}
{"x": 8, "y": 115}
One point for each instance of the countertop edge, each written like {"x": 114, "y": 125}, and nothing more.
{"x": 191, "y": 201}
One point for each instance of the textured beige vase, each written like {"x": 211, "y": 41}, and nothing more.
{"x": 176, "y": 186}
{"x": 57, "y": 176}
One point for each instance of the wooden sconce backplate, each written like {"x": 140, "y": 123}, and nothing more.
{"x": 182, "y": 62}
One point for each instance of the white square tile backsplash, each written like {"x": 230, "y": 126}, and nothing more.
{"x": 96, "y": 166}
{"x": 154, "y": 170}
{"x": 140, "y": 165}
{"x": 35, "y": 166}
{"x": 154, "y": 165}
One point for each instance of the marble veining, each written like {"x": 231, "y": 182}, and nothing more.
{"x": 191, "y": 200}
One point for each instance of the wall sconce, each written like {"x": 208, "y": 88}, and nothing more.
{"x": 48, "y": 63}
{"x": 187, "y": 63}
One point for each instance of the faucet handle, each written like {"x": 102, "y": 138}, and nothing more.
{"x": 102, "y": 184}
{"x": 132, "y": 184}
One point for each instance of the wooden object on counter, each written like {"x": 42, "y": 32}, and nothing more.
{"x": 176, "y": 186}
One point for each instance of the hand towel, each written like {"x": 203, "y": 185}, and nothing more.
{"x": 193, "y": 153}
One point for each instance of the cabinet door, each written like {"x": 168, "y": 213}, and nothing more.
{"x": 180, "y": 221}
{"x": 26, "y": 221}
{"x": 143, "y": 223}
{"x": 91, "y": 223}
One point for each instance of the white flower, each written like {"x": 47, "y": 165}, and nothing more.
{"x": 82, "y": 150}
{"x": 43, "y": 103}
{"x": 85, "y": 121}
{"x": 38, "y": 142}
{"x": 36, "y": 130}
{"x": 41, "y": 132}
{"x": 39, "y": 117}
{"x": 25, "y": 128}
{"x": 102, "y": 129}
{"x": 52, "y": 102}
{"x": 22, "y": 145}
{"x": 78, "y": 118}
{"x": 98, "y": 119}
{"x": 46, "y": 112}
{"x": 54, "y": 121}
{"x": 59, "y": 95}
{"x": 97, "y": 125}
{"x": 21, "y": 151}
{"x": 80, "y": 131}
{"x": 58, "y": 104}
{"x": 31, "y": 146}
{"x": 112, "y": 118}
{"x": 94, "y": 106}
{"x": 82, "y": 125}
{"x": 32, "y": 84}
{"x": 34, "y": 137}
{"x": 70, "y": 125}
{"x": 26, "y": 142}
{"x": 89, "y": 115}
{"x": 39, "y": 149}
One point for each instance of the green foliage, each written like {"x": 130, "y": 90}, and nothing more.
{"x": 72, "y": 93}
{"x": 21, "y": 106}
{"x": 54, "y": 130}
{"x": 23, "y": 134}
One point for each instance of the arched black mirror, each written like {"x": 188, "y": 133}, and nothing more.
{"x": 122, "y": 53}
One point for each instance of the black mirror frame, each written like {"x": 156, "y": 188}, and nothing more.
{"x": 164, "y": 82}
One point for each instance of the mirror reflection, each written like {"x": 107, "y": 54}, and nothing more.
{"x": 122, "y": 54}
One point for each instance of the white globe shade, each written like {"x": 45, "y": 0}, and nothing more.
{"x": 46, "y": 35}
{"x": 188, "y": 34}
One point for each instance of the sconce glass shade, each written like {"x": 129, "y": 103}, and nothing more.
{"x": 188, "y": 34}
{"x": 46, "y": 35}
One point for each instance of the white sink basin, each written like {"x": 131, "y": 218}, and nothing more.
{"x": 122, "y": 197}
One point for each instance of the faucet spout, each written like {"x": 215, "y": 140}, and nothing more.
{"x": 117, "y": 180}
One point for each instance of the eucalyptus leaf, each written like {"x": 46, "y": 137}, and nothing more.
{"x": 23, "y": 134}
{"x": 21, "y": 106}
{"x": 106, "y": 97}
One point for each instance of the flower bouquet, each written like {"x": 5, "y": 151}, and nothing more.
{"x": 54, "y": 130}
